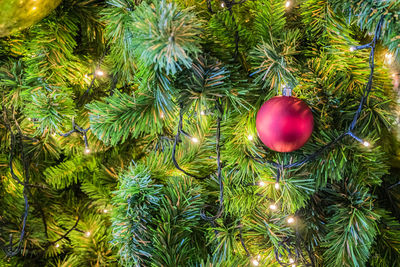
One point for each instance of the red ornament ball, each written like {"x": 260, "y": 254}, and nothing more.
{"x": 284, "y": 123}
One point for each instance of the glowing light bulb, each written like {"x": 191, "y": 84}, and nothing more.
{"x": 202, "y": 113}
{"x": 86, "y": 76}
{"x": 34, "y": 8}
{"x": 293, "y": 265}
{"x": 87, "y": 150}
{"x": 277, "y": 186}
{"x": 261, "y": 183}
{"x": 366, "y": 144}
{"x": 352, "y": 48}
{"x": 250, "y": 137}
{"x": 29, "y": 119}
{"x": 288, "y": 3}
{"x": 389, "y": 58}
{"x": 57, "y": 245}
{"x": 291, "y": 260}
{"x": 99, "y": 72}
{"x": 195, "y": 140}
{"x": 105, "y": 210}
{"x": 290, "y": 220}
{"x": 223, "y": 4}
{"x": 255, "y": 262}
{"x": 162, "y": 115}
{"x": 273, "y": 207}
{"x": 87, "y": 234}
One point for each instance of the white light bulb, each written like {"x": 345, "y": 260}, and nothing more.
{"x": 250, "y": 137}
{"x": 87, "y": 234}
{"x": 57, "y": 245}
{"x": 162, "y": 115}
{"x": 202, "y": 113}
{"x": 277, "y": 186}
{"x": 255, "y": 262}
{"x": 105, "y": 210}
{"x": 290, "y": 220}
{"x": 222, "y": 4}
{"x": 87, "y": 150}
{"x": 352, "y": 48}
{"x": 366, "y": 144}
{"x": 195, "y": 140}
{"x": 86, "y": 76}
{"x": 34, "y": 8}
{"x": 293, "y": 265}
{"x": 99, "y": 73}
{"x": 288, "y": 3}
{"x": 389, "y": 58}
{"x": 29, "y": 119}
{"x": 273, "y": 207}
{"x": 261, "y": 183}
{"x": 291, "y": 260}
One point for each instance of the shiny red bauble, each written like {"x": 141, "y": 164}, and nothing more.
{"x": 284, "y": 123}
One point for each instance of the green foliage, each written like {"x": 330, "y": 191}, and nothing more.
{"x": 51, "y": 110}
{"x": 14, "y": 84}
{"x": 165, "y": 36}
{"x": 178, "y": 235}
{"x": 120, "y": 115}
{"x": 68, "y": 172}
{"x": 274, "y": 62}
{"x": 158, "y": 57}
{"x": 133, "y": 204}
{"x": 352, "y": 227}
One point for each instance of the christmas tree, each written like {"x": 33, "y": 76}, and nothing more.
{"x": 133, "y": 133}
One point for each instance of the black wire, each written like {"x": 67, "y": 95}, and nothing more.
{"x": 364, "y": 97}
{"x": 317, "y": 153}
{"x": 66, "y": 233}
{"x": 177, "y": 139}
{"x": 221, "y": 185}
{"x": 10, "y": 250}
{"x": 242, "y": 240}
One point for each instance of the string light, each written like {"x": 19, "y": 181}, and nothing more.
{"x": 273, "y": 207}
{"x": 277, "y": 186}
{"x": 250, "y": 137}
{"x": 293, "y": 265}
{"x": 195, "y": 140}
{"x": 389, "y": 58}
{"x": 290, "y": 220}
{"x": 364, "y": 143}
{"x": 162, "y": 115}
{"x": 291, "y": 260}
{"x": 99, "y": 73}
{"x": 261, "y": 183}
{"x": 223, "y": 4}
{"x": 105, "y": 210}
{"x": 288, "y": 3}
{"x": 255, "y": 262}
{"x": 87, "y": 234}
{"x": 87, "y": 150}
{"x": 352, "y": 48}
{"x": 202, "y": 113}
{"x": 57, "y": 245}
